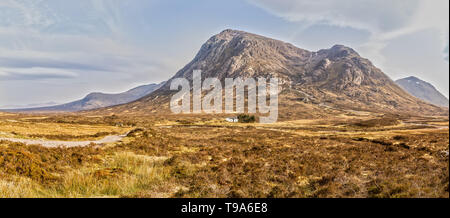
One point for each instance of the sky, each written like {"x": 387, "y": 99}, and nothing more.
{"x": 54, "y": 51}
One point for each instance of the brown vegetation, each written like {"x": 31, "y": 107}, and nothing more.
{"x": 205, "y": 157}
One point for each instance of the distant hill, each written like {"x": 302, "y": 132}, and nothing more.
{"x": 423, "y": 90}
{"x": 96, "y": 100}
{"x": 314, "y": 83}
{"x": 46, "y": 104}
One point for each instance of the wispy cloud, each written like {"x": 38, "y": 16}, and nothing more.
{"x": 371, "y": 15}
{"x": 35, "y": 73}
{"x": 384, "y": 19}
{"x": 75, "y": 46}
{"x": 112, "y": 45}
{"x": 405, "y": 37}
{"x": 25, "y": 13}
{"x": 83, "y": 35}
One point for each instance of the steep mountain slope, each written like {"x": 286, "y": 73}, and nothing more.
{"x": 313, "y": 83}
{"x": 97, "y": 100}
{"x": 423, "y": 90}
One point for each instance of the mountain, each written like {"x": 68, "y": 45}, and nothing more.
{"x": 314, "y": 84}
{"x": 423, "y": 90}
{"x": 47, "y": 104}
{"x": 96, "y": 100}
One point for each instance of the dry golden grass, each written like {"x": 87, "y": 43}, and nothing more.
{"x": 77, "y": 175}
{"x": 203, "y": 156}
{"x": 31, "y": 128}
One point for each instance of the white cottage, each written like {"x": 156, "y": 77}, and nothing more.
{"x": 232, "y": 119}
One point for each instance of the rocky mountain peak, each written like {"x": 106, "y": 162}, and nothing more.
{"x": 412, "y": 78}
{"x": 229, "y": 34}
{"x": 234, "y": 53}
{"x": 338, "y": 76}
{"x": 338, "y": 51}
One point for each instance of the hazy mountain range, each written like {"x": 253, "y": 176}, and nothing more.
{"x": 16, "y": 106}
{"x": 96, "y": 100}
{"x": 314, "y": 83}
{"x": 423, "y": 90}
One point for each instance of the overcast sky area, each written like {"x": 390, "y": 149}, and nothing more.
{"x": 54, "y": 51}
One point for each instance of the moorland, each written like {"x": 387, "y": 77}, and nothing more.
{"x": 352, "y": 155}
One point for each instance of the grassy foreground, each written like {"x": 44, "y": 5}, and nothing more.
{"x": 375, "y": 156}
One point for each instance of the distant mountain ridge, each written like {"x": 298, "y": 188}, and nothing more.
{"x": 313, "y": 83}
{"x": 96, "y": 100}
{"x": 41, "y": 104}
{"x": 423, "y": 90}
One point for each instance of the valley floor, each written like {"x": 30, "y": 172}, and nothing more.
{"x": 349, "y": 156}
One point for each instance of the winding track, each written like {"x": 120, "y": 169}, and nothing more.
{"x": 68, "y": 144}
{"x": 110, "y": 139}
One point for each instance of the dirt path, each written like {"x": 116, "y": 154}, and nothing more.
{"x": 52, "y": 144}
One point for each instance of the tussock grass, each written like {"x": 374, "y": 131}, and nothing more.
{"x": 26, "y": 173}
{"x": 20, "y": 187}
{"x": 57, "y": 131}
{"x": 122, "y": 174}
{"x": 201, "y": 157}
